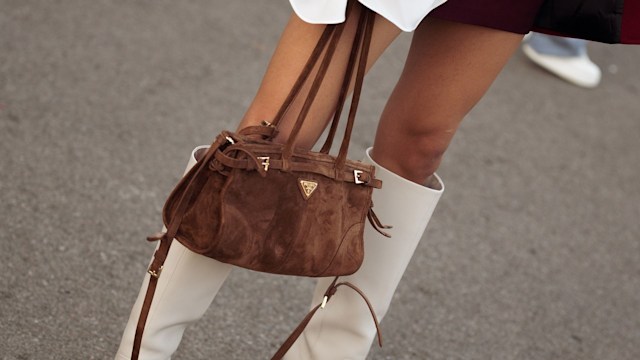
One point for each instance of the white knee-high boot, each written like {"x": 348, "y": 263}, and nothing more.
{"x": 344, "y": 329}
{"x": 186, "y": 287}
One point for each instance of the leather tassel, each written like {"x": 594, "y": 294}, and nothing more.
{"x": 375, "y": 222}
{"x": 156, "y": 236}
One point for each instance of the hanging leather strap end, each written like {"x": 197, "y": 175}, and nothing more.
{"x": 331, "y": 290}
{"x": 156, "y": 236}
{"x": 366, "y": 300}
{"x": 160, "y": 255}
{"x": 377, "y": 225}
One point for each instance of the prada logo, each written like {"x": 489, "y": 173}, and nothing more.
{"x": 307, "y": 187}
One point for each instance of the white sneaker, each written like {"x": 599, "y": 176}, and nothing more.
{"x": 578, "y": 70}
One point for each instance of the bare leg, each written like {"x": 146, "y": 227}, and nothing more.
{"x": 449, "y": 68}
{"x": 291, "y": 54}
{"x": 179, "y": 302}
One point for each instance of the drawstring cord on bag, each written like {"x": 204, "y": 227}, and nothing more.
{"x": 376, "y": 223}
{"x": 331, "y": 290}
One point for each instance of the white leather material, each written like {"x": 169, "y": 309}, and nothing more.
{"x": 405, "y": 14}
{"x": 344, "y": 329}
{"x": 578, "y": 70}
{"x": 186, "y": 287}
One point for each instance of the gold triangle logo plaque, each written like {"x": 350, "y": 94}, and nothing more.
{"x": 307, "y": 187}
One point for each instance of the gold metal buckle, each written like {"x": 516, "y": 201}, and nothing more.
{"x": 265, "y": 162}
{"x": 324, "y": 302}
{"x": 266, "y": 123}
{"x": 356, "y": 176}
{"x": 155, "y": 274}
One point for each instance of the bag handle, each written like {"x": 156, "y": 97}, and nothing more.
{"x": 368, "y": 20}
{"x": 304, "y": 74}
{"x": 287, "y": 152}
{"x": 344, "y": 91}
{"x": 360, "y": 46}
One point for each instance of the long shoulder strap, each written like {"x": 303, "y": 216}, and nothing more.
{"x": 160, "y": 255}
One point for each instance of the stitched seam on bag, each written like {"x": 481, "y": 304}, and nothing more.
{"x": 223, "y": 193}
{"x": 323, "y": 272}
{"x": 291, "y": 246}
{"x": 181, "y": 184}
{"x": 363, "y": 216}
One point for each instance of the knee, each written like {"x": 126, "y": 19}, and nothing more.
{"x": 417, "y": 154}
{"x": 423, "y": 156}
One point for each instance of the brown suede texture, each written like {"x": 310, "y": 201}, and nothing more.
{"x": 263, "y": 221}
{"x": 271, "y": 207}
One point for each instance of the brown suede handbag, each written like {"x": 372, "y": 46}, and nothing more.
{"x": 275, "y": 208}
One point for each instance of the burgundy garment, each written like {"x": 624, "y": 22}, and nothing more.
{"x": 607, "y": 21}
{"x": 588, "y": 19}
{"x": 630, "y": 32}
{"x": 515, "y": 16}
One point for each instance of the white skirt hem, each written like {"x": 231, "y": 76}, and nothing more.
{"x": 405, "y": 14}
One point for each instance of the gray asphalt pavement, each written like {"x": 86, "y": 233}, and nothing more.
{"x": 533, "y": 252}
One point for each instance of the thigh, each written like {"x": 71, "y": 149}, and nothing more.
{"x": 449, "y": 68}
{"x": 290, "y": 56}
